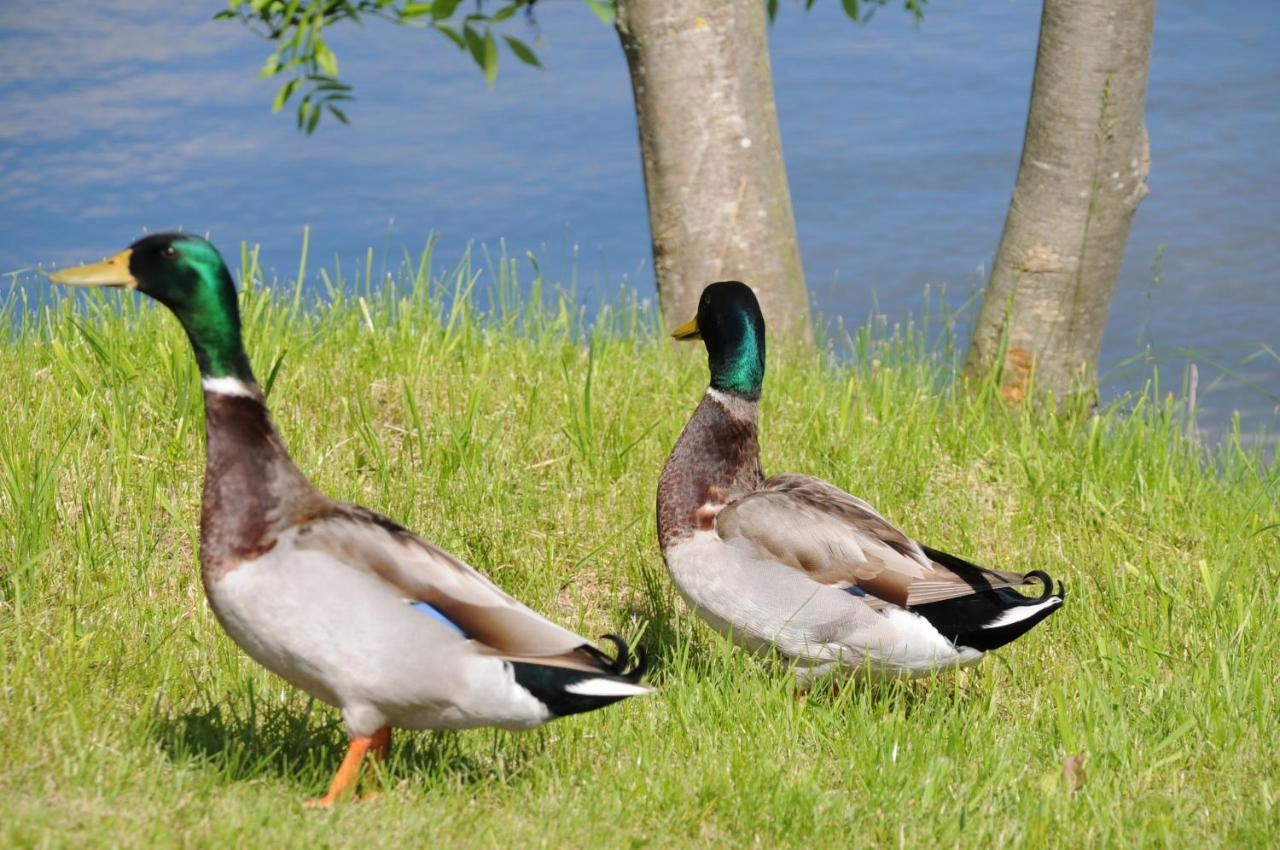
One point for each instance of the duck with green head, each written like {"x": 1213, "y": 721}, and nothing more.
{"x": 795, "y": 565}
{"x": 336, "y": 599}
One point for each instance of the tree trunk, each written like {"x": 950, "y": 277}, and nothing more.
{"x": 1084, "y": 162}
{"x": 719, "y": 206}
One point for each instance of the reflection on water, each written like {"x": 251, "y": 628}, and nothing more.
{"x": 901, "y": 144}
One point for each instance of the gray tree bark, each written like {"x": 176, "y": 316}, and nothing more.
{"x": 719, "y": 205}
{"x": 1084, "y": 164}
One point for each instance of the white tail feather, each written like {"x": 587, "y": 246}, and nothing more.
{"x": 1022, "y": 612}
{"x": 607, "y": 688}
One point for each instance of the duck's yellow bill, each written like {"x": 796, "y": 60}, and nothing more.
{"x": 113, "y": 271}
{"x": 689, "y": 330}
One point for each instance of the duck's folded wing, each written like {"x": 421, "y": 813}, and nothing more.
{"x": 421, "y": 571}
{"x": 840, "y": 540}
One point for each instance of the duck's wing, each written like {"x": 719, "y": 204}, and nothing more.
{"x": 367, "y": 541}
{"x": 838, "y": 539}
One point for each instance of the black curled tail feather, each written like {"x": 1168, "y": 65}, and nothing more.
{"x": 1047, "y": 582}
{"x": 565, "y": 690}
{"x": 992, "y": 617}
{"x": 618, "y": 665}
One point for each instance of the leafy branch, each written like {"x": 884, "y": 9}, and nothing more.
{"x": 296, "y": 30}
{"x": 309, "y": 66}
{"x": 859, "y": 11}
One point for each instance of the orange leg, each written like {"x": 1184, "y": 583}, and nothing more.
{"x": 380, "y": 750}
{"x": 349, "y": 770}
{"x": 381, "y": 745}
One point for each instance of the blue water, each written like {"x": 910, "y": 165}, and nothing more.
{"x": 901, "y": 143}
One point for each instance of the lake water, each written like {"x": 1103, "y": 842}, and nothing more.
{"x": 901, "y": 142}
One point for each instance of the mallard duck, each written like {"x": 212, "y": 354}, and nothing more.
{"x": 338, "y": 600}
{"x": 795, "y": 565}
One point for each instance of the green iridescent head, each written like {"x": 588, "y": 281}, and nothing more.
{"x": 186, "y": 274}
{"x": 729, "y": 321}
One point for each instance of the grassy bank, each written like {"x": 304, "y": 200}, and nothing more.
{"x": 530, "y": 445}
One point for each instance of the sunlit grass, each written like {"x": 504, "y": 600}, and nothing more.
{"x": 509, "y": 429}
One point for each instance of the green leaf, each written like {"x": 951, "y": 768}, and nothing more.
{"x": 327, "y": 62}
{"x": 271, "y": 67}
{"x": 475, "y": 43}
{"x": 604, "y": 10}
{"x": 330, "y": 84}
{"x": 338, "y": 113}
{"x": 850, "y": 8}
{"x": 490, "y": 58}
{"x": 772, "y": 8}
{"x": 504, "y": 13}
{"x": 522, "y": 51}
{"x": 409, "y": 11}
{"x": 283, "y": 95}
{"x": 452, "y": 35}
{"x": 314, "y": 119}
{"x": 442, "y": 9}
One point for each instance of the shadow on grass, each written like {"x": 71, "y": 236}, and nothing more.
{"x": 242, "y": 739}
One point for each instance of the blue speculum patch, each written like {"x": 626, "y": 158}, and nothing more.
{"x": 431, "y": 611}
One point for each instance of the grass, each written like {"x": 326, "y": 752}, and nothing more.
{"x": 529, "y": 442}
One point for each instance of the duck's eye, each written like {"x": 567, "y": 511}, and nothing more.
{"x": 168, "y": 252}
